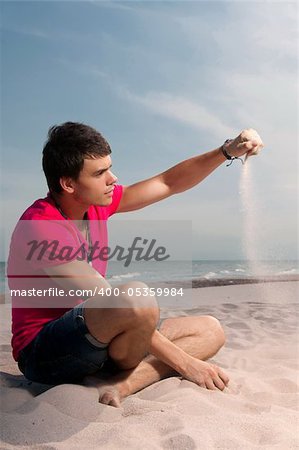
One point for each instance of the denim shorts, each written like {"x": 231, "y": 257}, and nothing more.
{"x": 63, "y": 351}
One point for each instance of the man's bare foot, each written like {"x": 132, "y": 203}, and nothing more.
{"x": 110, "y": 393}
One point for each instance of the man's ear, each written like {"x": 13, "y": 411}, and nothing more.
{"x": 67, "y": 184}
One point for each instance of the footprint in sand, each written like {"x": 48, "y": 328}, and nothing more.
{"x": 179, "y": 442}
{"x": 5, "y": 348}
{"x": 240, "y": 345}
{"x": 228, "y": 306}
{"x": 238, "y": 325}
{"x": 284, "y": 386}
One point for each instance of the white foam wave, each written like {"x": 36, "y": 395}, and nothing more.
{"x": 209, "y": 275}
{"x": 125, "y": 275}
{"x": 288, "y": 272}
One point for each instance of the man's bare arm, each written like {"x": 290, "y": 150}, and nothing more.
{"x": 77, "y": 275}
{"x": 186, "y": 174}
{"x": 200, "y": 372}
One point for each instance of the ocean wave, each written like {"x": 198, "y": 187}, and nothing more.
{"x": 288, "y": 272}
{"x": 209, "y": 275}
{"x": 125, "y": 275}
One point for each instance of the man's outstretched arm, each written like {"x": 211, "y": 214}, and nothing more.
{"x": 186, "y": 174}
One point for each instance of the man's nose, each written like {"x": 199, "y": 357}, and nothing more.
{"x": 112, "y": 178}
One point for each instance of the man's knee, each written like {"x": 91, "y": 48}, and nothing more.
{"x": 142, "y": 307}
{"x": 217, "y": 329}
{"x": 126, "y": 311}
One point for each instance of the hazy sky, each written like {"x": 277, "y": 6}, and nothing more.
{"x": 163, "y": 81}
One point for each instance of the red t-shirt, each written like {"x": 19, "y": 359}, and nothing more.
{"x": 44, "y": 238}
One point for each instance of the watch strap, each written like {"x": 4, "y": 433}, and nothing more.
{"x": 223, "y": 149}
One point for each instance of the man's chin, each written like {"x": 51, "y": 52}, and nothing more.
{"x": 104, "y": 202}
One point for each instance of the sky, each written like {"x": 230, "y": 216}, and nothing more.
{"x": 162, "y": 81}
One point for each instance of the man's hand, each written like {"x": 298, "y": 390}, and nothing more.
{"x": 248, "y": 142}
{"x": 200, "y": 372}
{"x": 205, "y": 374}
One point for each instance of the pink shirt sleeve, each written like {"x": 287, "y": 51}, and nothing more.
{"x": 37, "y": 244}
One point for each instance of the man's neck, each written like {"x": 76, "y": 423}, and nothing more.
{"x": 69, "y": 208}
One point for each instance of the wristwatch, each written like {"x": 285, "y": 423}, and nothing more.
{"x": 227, "y": 155}
{"x": 223, "y": 149}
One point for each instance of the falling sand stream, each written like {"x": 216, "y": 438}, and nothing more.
{"x": 250, "y": 217}
{"x": 252, "y": 226}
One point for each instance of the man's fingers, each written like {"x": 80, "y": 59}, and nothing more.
{"x": 253, "y": 153}
{"x": 248, "y": 142}
{"x": 249, "y": 145}
{"x": 215, "y": 383}
{"x": 223, "y": 377}
{"x": 249, "y": 134}
{"x": 219, "y": 383}
{"x": 250, "y": 139}
{"x": 210, "y": 385}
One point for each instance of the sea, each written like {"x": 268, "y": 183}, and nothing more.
{"x": 199, "y": 273}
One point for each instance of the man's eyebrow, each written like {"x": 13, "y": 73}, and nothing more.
{"x": 97, "y": 172}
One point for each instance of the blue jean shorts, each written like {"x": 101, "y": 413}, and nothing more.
{"x": 63, "y": 351}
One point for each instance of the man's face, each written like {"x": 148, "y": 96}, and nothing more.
{"x": 95, "y": 184}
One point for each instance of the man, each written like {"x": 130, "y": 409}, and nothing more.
{"x": 64, "y": 343}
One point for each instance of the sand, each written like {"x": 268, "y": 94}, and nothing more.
{"x": 259, "y": 409}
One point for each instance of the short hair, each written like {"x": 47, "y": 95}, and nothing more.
{"x": 67, "y": 146}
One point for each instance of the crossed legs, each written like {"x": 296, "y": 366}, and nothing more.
{"x": 129, "y": 330}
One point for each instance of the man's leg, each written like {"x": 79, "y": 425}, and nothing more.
{"x": 127, "y": 327}
{"x": 200, "y": 337}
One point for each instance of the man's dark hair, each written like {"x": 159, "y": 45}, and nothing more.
{"x": 67, "y": 147}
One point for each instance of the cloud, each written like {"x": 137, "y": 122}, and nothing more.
{"x": 84, "y": 68}
{"x": 284, "y": 42}
{"x": 247, "y": 31}
{"x": 55, "y": 34}
{"x": 112, "y": 5}
{"x": 182, "y": 110}
{"x": 34, "y": 32}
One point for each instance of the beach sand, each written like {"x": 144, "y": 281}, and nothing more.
{"x": 259, "y": 409}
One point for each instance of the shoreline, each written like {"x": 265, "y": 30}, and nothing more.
{"x": 201, "y": 282}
